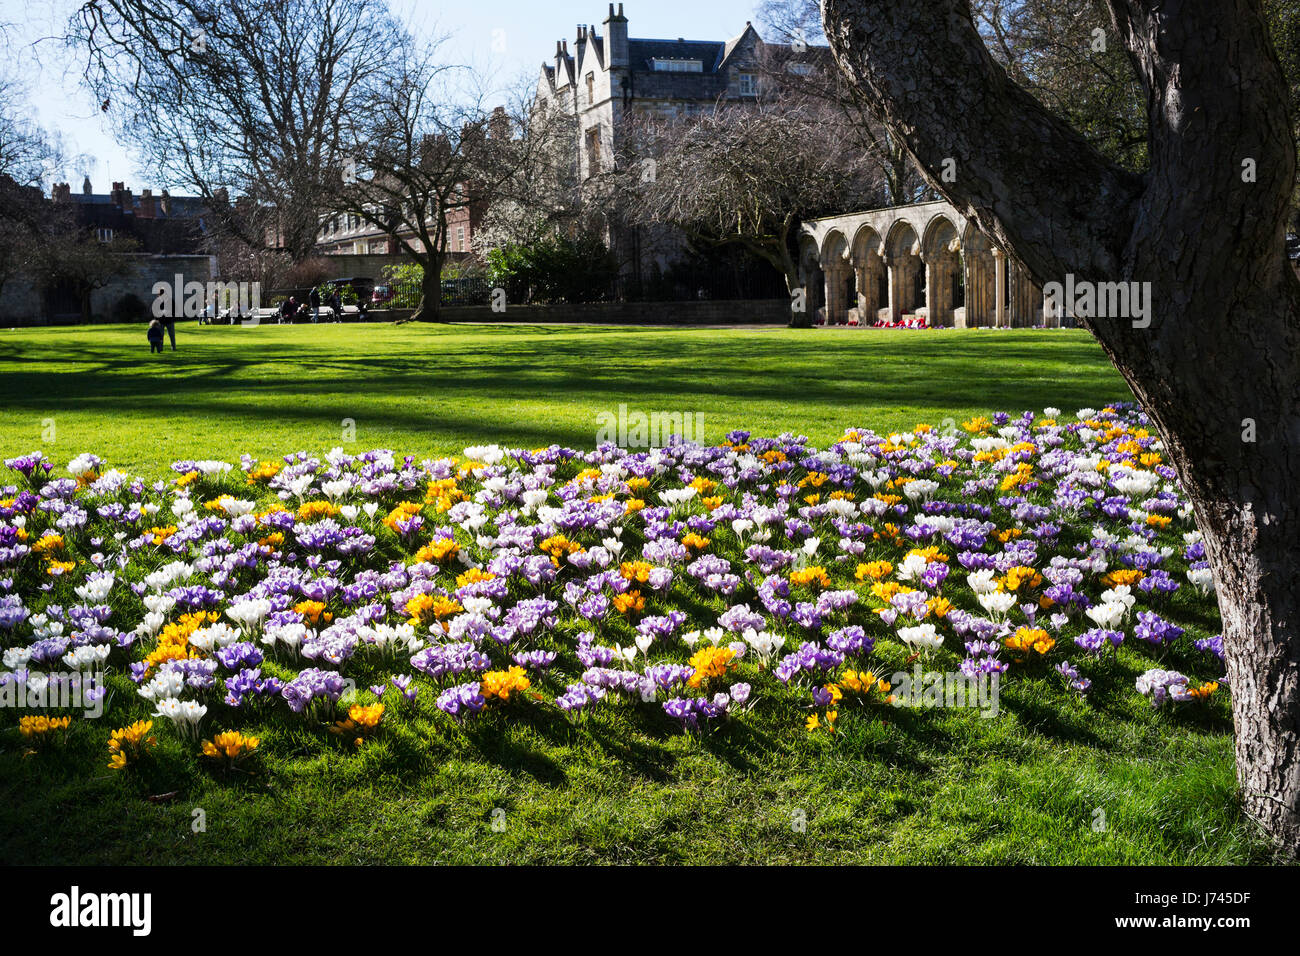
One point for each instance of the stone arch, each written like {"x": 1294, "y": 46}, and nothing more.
{"x": 903, "y": 259}
{"x": 944, "y": 281}
{"x": 839, "y": 278}
{"x": 810, "y": 274}
{"x": 871, "y": 278}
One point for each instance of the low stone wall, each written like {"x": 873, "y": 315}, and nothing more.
{"x": 738, "y": 312}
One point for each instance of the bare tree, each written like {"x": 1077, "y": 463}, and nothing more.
{"x": 248, "y": 96}
{"x": 67, "y": 253}
{"x": 1218, "y": 367}
{"x": 28, "y": 157}
{"x": 800, "y": 70}
{"x": 424, "y": 147}
{"x": 743, "y": 175}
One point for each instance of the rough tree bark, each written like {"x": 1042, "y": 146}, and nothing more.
{"x": 1223, "y": 344}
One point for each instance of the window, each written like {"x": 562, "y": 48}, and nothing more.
{"x": 593, "y": 151}
{"x": 748, "y": 84}
{"x": 800, "y": 69}
{"x": 591, "y": 89}
{"x": 677, "y": 66}
{"x": 460, "y": 238}
{"x": 104, "y": 235}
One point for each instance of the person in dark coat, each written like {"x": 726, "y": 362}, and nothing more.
{"x": 336, "y": 305}
{"x": 155, "y": 335}
{"x": 314, "y": 300}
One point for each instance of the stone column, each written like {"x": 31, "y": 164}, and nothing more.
{"x": 895, "y": 284}
{"x": 867, "y": 304}
{"x": 931, "y": 292}
{"x": 1000, "y": 289}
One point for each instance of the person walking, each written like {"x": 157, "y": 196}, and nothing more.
{"x": 314, "y": 299}
{"x": 336, "y": 305}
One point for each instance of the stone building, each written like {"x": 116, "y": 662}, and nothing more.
{"x": 918, "y": 261}
{"x": 608, "y": 78}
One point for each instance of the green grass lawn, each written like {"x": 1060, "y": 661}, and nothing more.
{"x": 942, "y": 786}
{"x": 421, "y": 389}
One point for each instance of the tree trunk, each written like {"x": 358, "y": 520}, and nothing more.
{"x": 1216, "y": 359}
{"x": 430, "y": 307}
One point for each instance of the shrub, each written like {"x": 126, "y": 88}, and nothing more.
{"x": 558, "y": 269}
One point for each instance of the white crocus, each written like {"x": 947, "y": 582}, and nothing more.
{"x": 922, "y": 637}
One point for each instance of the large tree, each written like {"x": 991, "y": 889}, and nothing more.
{"x": 28, "y": 155}
{"x": 744, "y": 175}
{"x": 425, "y": 147}
{"x": 1218, "y": 367}
{"x": 241, "y": 97}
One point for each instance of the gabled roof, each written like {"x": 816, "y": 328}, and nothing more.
{"x": 641, "y": 52}
{"x": 747, "y": 34}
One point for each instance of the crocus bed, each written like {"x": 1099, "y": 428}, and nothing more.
{"x": 692, "y": 585}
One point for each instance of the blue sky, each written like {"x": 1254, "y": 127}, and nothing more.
{"x": 509, "y": 38}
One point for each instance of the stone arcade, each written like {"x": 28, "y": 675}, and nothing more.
{"x": 919, "y": 261}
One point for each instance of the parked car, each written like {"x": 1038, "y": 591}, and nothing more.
{"x": 382, "y": 295}
{"x": 363, "y": 286}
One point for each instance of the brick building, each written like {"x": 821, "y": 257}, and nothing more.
{"x": 162, "y": 224}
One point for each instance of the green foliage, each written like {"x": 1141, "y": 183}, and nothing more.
{"x": 405, "y": 280}
{"x": 556, "y": 269}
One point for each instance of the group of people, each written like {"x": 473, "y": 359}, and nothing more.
{"x": 292, "y": 309}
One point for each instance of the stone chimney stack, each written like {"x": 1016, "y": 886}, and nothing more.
{"x": 61, "y": 192}
{"x": 616, "y": 54}
{"x": 147, "y": 209}
{"x": 166, "y": 203}
{"x": 85, "y": 187}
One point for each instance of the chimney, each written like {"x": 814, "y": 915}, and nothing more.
{"x": 616, "y": 54}
{"x": 85, "y": 186}
{"x": 121, "y": 197}
{"x": 147, "y": 210}
{"x": 61, "y": 192}
{"x": 499, "y": 124}
{"x": 166, "y": 203}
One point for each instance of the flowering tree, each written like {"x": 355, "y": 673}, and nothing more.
{"x": 1217, "y": 365}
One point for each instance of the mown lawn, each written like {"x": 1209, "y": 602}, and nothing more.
{"x": 420, "y": 389}
{"x": 1034, "y": 785}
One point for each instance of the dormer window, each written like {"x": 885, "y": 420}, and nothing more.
{"x": 677, "y": 66}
